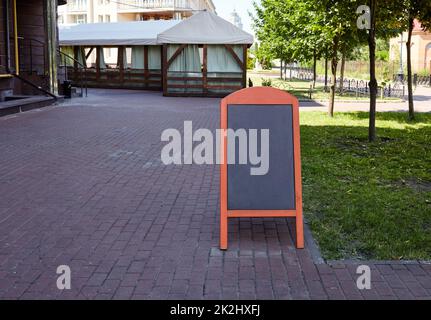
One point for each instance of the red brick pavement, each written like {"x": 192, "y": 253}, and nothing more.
{"x": 83, "y": 185}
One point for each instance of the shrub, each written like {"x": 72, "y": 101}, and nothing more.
{"x": 266, "y": 82}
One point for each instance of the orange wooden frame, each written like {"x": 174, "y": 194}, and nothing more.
{"x": 260, "y": 96}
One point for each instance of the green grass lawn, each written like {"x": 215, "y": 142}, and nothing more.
{"x": 301, "y": 89}
{"x": 368, "y": 200}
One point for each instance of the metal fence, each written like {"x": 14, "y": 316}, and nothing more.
{"x": 421, "y": 80}
{"x": 418, "y": 80}
{"x": 361, "y": 88}
{"x": 356, "y": 87}
{"x": 354, "y": 69}
{"x": 397, "y": 88}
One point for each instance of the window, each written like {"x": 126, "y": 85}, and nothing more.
{"x": 111, "y": 56}
{"x": 128, "y": 57}
{"x": 80, "y": 5}
{"x": 81, "y": 18}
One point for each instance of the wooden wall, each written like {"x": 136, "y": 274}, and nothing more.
{"x": 31, "y": 25}
{"x": 204, "y": 83}
{"x": 31, "y": 18}
{"x": 2, "y": 39}
{"x": 116, "y": 78}
{"x": 6, "y": 84}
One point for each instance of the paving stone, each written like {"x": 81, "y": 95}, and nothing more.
{"x": 83, "y": 185}
{"x": 124, "y": 293}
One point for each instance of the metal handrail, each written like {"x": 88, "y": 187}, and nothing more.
{"x": 31, "y": 51}
{"x": 82, "y": 78}
{"x": 31, "y": 84}
{"x": 84, "y": 67}
{"x": 35, "y": 86}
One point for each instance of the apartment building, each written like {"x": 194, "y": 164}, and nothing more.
{"x": 97, "y": 11}
{"x": 236, "y": 20}
{"x": 420, "y": 50}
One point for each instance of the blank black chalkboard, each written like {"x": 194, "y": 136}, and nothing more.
{"x": 276, "y": 189}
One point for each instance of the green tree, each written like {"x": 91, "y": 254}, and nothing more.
{"x": 385, "y": 20}
{"x": 271, "y": 31}
{"x": 304, "y": 30}
{"x": 337, "y": 26}
{"x": 415, "y": 10}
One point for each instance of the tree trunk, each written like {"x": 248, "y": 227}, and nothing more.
{"x": 326, "y": 74}
{"x": 314, "y": 68}
{"x": 373, "y": 80}
{"x": 343, "y": 65}
{"x": 281, "y": 69}
{"x": 409, "y": 70}
{"x": 334, "y": 63}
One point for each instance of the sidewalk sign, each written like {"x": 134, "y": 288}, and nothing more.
{"x": 278, "y": 194}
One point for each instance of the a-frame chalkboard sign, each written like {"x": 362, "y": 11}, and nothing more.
{"x": 277, "y": 194}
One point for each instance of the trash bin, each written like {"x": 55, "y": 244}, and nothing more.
{"x": 67, "y": 89}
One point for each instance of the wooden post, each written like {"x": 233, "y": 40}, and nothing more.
{"x": 167, "y": 62}
{"x": 165, "y": 69}
{"x": 223, "y": 178}
{"x": 121, "y": 63}
{"x": 146, "y": 71}
{"x": 75, "y": 55}
{"x": 205, "y": 70}
{"x": 98, "y": 62}
{"x": 299, "y": 221}
{"x": 162, "y": 76}
{"x": 244, "y": 75}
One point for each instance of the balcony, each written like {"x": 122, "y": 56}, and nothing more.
{"x": 77, "y": 5}
{"x": 128, "y": 6}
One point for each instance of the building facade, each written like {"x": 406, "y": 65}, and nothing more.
{"x": 98, "y": 11}
{"x": 235, "y": 19}
{"x": 28, "y": 48}
{"x": 421, "y": 50}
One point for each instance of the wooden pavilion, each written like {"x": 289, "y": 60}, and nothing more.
{"x": 203, "y": 55}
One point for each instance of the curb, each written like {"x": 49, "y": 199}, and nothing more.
{"x": 312, "y": 246}
{"x": 340, "y": 263}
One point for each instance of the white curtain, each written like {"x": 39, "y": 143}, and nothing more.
{"x": 81, "y": 57}
{"x": 68, "y": 52}
{"x": 138, "y": 58}
{"x": 154, "y": 58}
{"x": 102, "y": 64}
{"x": 221, "y": 60}
{"x": 188, "y": 60}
